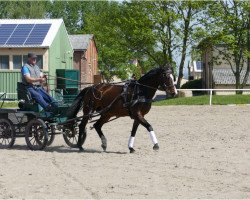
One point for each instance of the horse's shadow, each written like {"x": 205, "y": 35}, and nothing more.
{"x": 63, "y": 149}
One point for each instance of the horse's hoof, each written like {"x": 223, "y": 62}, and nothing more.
{"x": 104, "y": 147}
{"x": 81, "y": 149}
{"x": 131, "y": 150}
{"x": 104, "y": 143}
{"x": 156, "y": 147}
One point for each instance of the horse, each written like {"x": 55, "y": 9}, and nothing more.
{"x": 132, "y": 99}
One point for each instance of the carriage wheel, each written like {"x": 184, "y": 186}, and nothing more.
{"x": 7, "y": 134}
{"x": 51, "y": 136}
{"x": 36, "y": 134}
{"x": 70, "y": 136}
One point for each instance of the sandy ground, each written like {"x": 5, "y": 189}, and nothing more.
{"x": 204, "y": 153}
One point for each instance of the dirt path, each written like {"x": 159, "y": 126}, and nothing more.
{"x": 204, "y": 153}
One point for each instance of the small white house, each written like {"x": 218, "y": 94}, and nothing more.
{"x": 194, "y": 70}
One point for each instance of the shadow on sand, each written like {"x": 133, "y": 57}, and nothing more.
{"x": 63, "y": 149}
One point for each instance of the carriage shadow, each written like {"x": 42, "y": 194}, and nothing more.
{"x": 63, "y": 149}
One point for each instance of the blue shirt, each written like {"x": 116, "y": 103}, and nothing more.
{"x": 25, "y": 71}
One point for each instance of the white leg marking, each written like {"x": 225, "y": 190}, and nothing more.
{"x": 153, "y": 137}
{"x": 131, "y": 142}
{"x": 175, "y": 90}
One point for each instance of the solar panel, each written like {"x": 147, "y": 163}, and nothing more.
{"x": 5, "y": 32}
{"x": 20, "y": 34}
{"x": 38, "y": 34}
{"x": 23, "y": 34}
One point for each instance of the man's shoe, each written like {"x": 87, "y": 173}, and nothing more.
{"x": 49, "y": 108}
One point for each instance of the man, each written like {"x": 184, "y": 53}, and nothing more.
{"x": 33, "y": 78}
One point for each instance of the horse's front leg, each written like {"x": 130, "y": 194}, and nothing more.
{"x": 132, "y": 137}
{"x": 144, "y": 123}
{"x": 82, "y": 133}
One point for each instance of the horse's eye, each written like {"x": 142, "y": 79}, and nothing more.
{"x": 164, "y": 75}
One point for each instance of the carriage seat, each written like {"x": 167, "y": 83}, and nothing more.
{"x": 26, "y": 103}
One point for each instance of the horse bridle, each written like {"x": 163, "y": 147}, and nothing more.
{"x": 168, "y": 75}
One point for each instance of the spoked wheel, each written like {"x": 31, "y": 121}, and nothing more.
{"x": 7, "y": 134}
{"x": 51, "y": 136}
{"x": 36, "y": 134}
{"x": 70, "y": 136}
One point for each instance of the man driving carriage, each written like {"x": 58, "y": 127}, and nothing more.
{"x": 33, "y": 78}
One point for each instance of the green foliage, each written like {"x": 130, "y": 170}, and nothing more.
{"x": 153, "y": 32}
{"x": 72, "y": 13}
{"x": 102, "y": 22}
{"x": 204, "y": 100}
{"x": 227, "y": 23}
{"x": 22, "y": 9}
{"x": 194, "y": 84}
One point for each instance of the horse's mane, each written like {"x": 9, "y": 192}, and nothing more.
{"x": 151, "y": 73}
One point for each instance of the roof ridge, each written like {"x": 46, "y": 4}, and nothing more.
{"x": 83, "y": 44}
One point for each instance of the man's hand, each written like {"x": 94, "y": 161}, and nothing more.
{"x": 41, "y": 80}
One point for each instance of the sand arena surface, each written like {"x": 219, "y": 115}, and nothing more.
{"x": 204, "y": 153}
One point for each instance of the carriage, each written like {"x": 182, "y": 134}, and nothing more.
{"x": 37, "y": 126}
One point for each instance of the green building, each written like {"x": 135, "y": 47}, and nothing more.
{"x": 48, "y": 38}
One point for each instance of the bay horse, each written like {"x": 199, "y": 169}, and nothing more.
{"x": 132, "y": 99}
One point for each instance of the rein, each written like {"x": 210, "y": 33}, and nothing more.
{"x": 68, "y": 79}
{"x": 89, "y": 83}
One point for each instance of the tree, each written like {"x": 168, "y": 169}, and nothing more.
{"x": 70, "y": 11}
{"x": 155, "y": 33}
{"x": 229, "y": 27}
{"x": 148, "y": 30}
{"x": 102, "y": 22}
{"x": 162, "y": 30}
{"x": 22, "y": 9}
{"x": 190, "y": 13}
{"x": 3, "y": 10}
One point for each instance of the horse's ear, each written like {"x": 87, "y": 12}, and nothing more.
{"x": 168, "y": 67}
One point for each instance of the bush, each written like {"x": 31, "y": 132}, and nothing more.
{"x": 194, "y": 84}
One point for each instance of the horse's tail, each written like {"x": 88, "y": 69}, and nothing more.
{"x": 77, "y": 104}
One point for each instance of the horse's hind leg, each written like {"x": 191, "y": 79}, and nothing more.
{"x": 144, "y": 123}
{"x": 132, "y": 137}
{"x": 98, "y": 127}
{"x": 82, "y": 133}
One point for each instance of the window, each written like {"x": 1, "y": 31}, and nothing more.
{"x": 25, "y": 59}
{"x": 39, "y": 61}
{"x": 17, "y": 62}
{"x": 4, "y": 62}
{"x": 199, "y": 65}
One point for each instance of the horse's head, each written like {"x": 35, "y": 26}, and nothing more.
{"x": 167, "y": 81}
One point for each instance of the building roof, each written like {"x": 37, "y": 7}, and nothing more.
{"x": 80, "y": 42}
{"x": 225, "y": 76}
{"x": 20, "y": 33}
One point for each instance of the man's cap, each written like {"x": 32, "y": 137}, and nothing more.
{"x": 32, "y": 55}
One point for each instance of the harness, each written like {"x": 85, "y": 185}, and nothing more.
{"x": 132, "y": 95}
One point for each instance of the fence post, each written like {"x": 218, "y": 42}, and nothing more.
{"x": 210, "y": 97}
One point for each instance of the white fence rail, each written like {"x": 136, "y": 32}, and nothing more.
{"x": 211, "y": 91}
